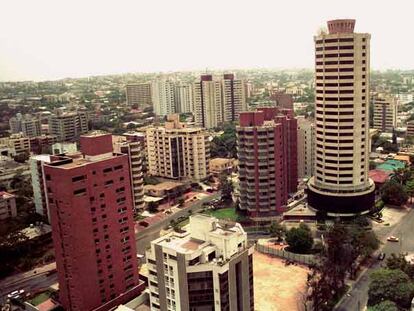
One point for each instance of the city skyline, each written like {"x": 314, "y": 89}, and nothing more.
{"x": 47, "y": 41}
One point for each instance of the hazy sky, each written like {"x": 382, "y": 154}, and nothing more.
{"x": 48, "y": 39}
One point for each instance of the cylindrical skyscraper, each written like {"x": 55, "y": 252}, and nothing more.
{"x": 341, "y": 186}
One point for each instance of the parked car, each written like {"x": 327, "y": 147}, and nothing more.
{"x": 393, "y": 239}
{"x": 381, "y": 256}
{"x": 16, "y": 294}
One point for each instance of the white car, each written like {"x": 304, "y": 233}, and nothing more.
{"x": 393, "y": 239}
{"x": 16, "y": 294}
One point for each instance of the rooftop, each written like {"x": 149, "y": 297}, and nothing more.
{"x": 166, "y": 185}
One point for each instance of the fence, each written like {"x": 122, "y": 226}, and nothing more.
{"x": 299, "y": 258}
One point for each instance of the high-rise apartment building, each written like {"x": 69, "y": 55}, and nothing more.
{"x": 207, "y": 267}
{"x": 234, "y": 100}
{"x": 177, "y": 151}
{"x": 385, "y": 112}
{"x": 184, "y": 98}
{"x": 341, "y": 185}
{"x": 306, "y": 147}
{"x": 163, "y": 96}
{"x": 90, "y": 204}
{"x": 208, "y": 102}
{"x": 68, "y": 126}
{"x": 267, "y": 155}
{"x": 139, "y": 94}
{"x": 29, "y": 125}
{"x": 132, "y": 145}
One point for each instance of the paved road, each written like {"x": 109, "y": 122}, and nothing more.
{"x": 144, "y": 237}
{"x": 405, "y": 231}
{"x": 30, "y": 284}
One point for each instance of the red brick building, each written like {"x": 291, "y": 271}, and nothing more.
{"x": 267, "y": 153}
{"x": 90, "y": 204}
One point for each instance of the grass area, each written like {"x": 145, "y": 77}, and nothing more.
{"x": 228, "y": 213}
{"x": 37, "y": 300}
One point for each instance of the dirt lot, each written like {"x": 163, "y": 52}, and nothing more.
{"x": 277, "y": 287}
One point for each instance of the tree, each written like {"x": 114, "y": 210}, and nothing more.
{"x": 224, "y": 146}
{"x": 409, "y": 189}
{"x": 226, "y": 187}
{"x": 393, "y": 285}
{"x": 277, "y": 230}
{"x": 401, "y": 175}
{"x": 300, "y": 239}
{"x": 386, "y": 305}
{"x": 21, "y": 157}
{"x": 399, "y": 262}
{"x": 393, "y": 193}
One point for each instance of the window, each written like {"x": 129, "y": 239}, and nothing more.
{"x": 107, "y": 170}
{"x": 118, "y": 167}
{"x": 79, "y": 192}
{"x": 78, "y": 178}
{"x": 48, "y": 177}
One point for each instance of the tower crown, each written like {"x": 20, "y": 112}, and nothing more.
{"x": 341, "y": 26}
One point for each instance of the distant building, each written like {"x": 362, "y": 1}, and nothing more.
{"x": 132, "y": 144}
{"x": 385, "y": 112}
{"x": 267, "y": 160}
{"x": 184, "y": 98}
{"x": 219, "y": 166}
{"x": 218, "y": 101}
{"x": 282, "y": 99}
{"x": 15, "y": 144}
{"x": 64, "y": 147}
{"x": 42, "y": 144}
{"x": 68, "y": 126}
{"x": 410, "y": 128}
{"x": 163, "y": 97}
{"x": 306, "y": 147}
{"x": 7, "y": 205}
{"x": 208, "y": 267}
{"x": 234, "y": 98}
{"x": 29, "y": 125}
{"x": 139, "y": 94}
{"x": 90, "y": 205}
{"x": 208, "y": 102}
{"x": 177, "y": 151}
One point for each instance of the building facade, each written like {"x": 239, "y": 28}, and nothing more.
{"x": 177, "y": 151}
{"x": 208, "y": 102}
{"x": 132, "y": 144}
{"x": 234, "y": 98}
{"x": 207, "y": 267}
{"x": 42, "y": 144}
{"x": 90, "y": 204}
{"x": 385, "y": 112}
{"x": 267, "y": 155}
{"x": 306, "y": 147}
{"x": 282, "y": 99}
{"x": 68, "y": 126}
{"x": 7, "y": 205}
{"x": 184, "y": 98}
{"x": 29, "y": 125}
{"x": 139, "y": 95}
{"x": 38, "y": 183}
{"x": 163, "y": 96}
{"x": 341, "y": 185}
{"x": 16, "y": 144}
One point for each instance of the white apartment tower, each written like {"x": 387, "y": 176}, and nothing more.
{"x": 385, "y": 112}
{"x": 184, "y": 98}
{"x": 234, "y": 97}
{"x": 340, "y": 185}
{"x": 178, "y": 152}
{"x": 207, "y": 267}
{"x": 208, "y": 102}
{"x": 163, "y": 96}
{"x": 306, "y": 147}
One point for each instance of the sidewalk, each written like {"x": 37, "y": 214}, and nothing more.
{"x": 28, "y": 274}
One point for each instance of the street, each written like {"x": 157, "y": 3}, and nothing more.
{"x": 404, "y": 230}
{"x": 32, "y": 282}
{"x": 144, "y": 237}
